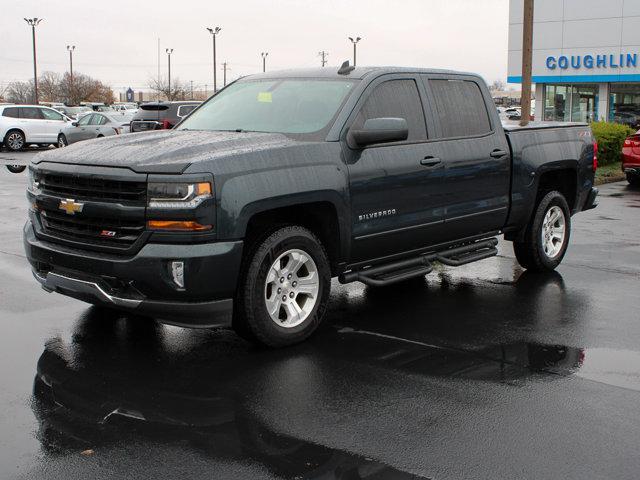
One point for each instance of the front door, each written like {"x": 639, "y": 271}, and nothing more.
{"x": 395, "y": 189}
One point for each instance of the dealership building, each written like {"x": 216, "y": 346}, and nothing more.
{"x": 586, "y": 59}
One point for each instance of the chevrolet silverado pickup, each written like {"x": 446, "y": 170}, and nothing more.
{"x": 243, "y": 213}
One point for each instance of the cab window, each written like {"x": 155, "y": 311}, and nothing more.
{"x": 399, "y": 99}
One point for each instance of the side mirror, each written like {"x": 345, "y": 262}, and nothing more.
{"x": 75, "y": 124}
{"x": 379, "y": 130}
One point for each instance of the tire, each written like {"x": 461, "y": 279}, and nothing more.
{"x": 270, "y": 280}
{"x": 547, "y": 236}
{"x": 633, "y": 179}
{"x": 16, "y": 168}
{"x": 62, "y": 141}
{"x": 14, "y": 140}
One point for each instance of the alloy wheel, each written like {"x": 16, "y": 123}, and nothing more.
{"x": 291, "y": 288}
{"x": 553, "y": 232}
{"x": 15, "y": 141}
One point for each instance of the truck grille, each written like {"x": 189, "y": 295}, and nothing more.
{"x": 93, "y": 188}
{"x": 112, "y": 214}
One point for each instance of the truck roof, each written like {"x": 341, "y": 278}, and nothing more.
{"x": 358, "y": 72}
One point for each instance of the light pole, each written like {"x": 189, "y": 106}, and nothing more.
{"x": 264, "y": 61}
{"x": 355, "y": 42}
{"x": 224, "y": 73}
{"x": 214, "y": 32}
{"x": 71, "y": 48}
{"x": 169, "y": 52}
{"x": 33, "y": 23}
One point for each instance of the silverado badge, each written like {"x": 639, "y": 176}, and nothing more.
{"x": 70, "y": 206}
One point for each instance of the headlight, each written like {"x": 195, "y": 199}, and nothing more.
{"x": 32, "y": 185}
{"x": 177, "y": 195}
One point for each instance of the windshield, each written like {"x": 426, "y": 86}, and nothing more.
{"x": 290, "y": 106}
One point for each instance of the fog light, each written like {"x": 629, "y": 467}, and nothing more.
{"x": 177, "y": 273}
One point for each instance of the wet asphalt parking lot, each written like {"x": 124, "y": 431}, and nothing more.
{"x": 484, "y": 371}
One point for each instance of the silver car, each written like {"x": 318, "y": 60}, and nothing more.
{"x": 94, "y": 125}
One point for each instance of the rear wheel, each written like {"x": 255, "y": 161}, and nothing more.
{"x": 547, "y": 235}
{"x": 633, "y": 179}
{"x": 284, "y": 288}
{"x": 15, "y": 140}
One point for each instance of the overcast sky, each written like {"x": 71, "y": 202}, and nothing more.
{"x": 117, "y": 41}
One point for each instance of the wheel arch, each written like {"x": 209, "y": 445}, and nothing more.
{"x": 319, "y": 215}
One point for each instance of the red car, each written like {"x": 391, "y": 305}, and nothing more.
{"x": 631, "y": 158}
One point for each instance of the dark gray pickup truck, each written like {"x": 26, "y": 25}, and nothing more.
{"x": 243, "y": 213}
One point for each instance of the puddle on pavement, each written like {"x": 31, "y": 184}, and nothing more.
{"x": 620, "y": 368}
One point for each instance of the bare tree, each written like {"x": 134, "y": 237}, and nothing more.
{"x": 49, "y": 87}
{"x": 179, "y": 90}
{"x": 84, "y": 89}
{"x": 20, "y": 92}
{"x": 497, "y": 86}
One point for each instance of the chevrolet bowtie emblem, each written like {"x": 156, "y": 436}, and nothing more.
{"x": 70, "y": 206}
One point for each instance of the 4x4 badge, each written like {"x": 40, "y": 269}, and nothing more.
{"x": 70, "y": 206}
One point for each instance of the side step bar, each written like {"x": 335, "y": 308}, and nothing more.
{"x": 398, "y": 271}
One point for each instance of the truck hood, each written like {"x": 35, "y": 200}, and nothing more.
{"x": 170, "y": 151}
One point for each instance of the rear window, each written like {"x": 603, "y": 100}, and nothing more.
{"x": 33, "y": 113}
{"x": 460, "y": 108}
{"x": 154, "y": 107}
{"x": 11, "y": 112}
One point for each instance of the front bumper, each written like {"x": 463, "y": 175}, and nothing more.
{"x": 143, "y": 283}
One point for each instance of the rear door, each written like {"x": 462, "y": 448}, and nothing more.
{"x": 33, "y": 124}
{"x": 396, "y": 195}
{"x": 477, "y": 162}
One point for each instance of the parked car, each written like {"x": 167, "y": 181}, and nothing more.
{"x": 74, "y": 112}
{"x": 161, "y": 115}
{"x": 631, "y": 159}
{"x": 243, "y": 213}
{"x": 94, "y": 125}
{"x": 23, "y": 125}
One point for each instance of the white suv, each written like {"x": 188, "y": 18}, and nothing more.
{"x": 21, "y": 125}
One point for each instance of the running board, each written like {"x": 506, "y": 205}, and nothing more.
{"x": 398, "y": 271}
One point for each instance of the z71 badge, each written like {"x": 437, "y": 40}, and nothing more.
{"x": 379, "y": 214}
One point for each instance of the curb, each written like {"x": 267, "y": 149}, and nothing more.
{"x": 611, "y": 179}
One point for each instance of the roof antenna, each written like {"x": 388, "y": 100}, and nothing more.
{"x": 345, "y": 68}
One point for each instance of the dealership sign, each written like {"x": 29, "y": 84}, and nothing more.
{"x": 564, "y": 62}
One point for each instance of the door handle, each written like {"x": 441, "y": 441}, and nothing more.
{"x": 430, "y": 161}
{"x": 498, "y": 153}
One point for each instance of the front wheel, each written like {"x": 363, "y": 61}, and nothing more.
{"x": 16, "y": 168}
{"x": 284, "y": 288}
{"x": 62, "y": 141}
{"x": 547, "y": 235}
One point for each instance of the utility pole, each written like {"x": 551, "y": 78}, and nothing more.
{"x": 191, "y": 89}
{"x": 206, "y": 93}
{"x": 224, "y": 73}
{"x": 214, "y": 32}
{"x": 355, "y": 42}
{"x": 71, "y": 48}
{"x": 527, "y": 52}
{"x": 264, "y": 61}
{"x": 169, "y": 52}
{"x": 33, "y": 23}
{"x": 324, "y": 56}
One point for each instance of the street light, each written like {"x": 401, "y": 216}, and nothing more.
{"x": 214, "y": 32}
{"x": 169, "y": 52}
{"x": 264, "y": 61}
{"x": 33, "y": 23}
{"x": 70, "y": 49}
{"x": 355, "y": 42}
